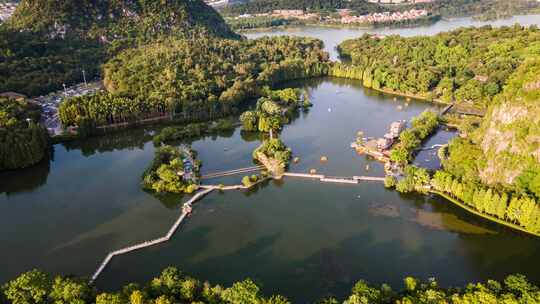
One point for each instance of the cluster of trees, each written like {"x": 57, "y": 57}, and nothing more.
{"x": 265, "y": 6}
{"x": 23, "y": 141}
{"x": 193, "y": 130}
{"x": 48, "y": 43}
{"x": 275, "y": 109}
{"x": 446, "y": 8}
{"x": 174, "y": 170}
{"x": 274, "y": 149}
{"x": 174, "y": 286}
{"x": 108, "y": 20}
{"x": 466, "y": 65}
{"x": 194, "y": 79}
{"x": 521, "y": 210}
{"x": 409, "y": 140}
{"x": 259, "y": 22}
{"x": 414, "y": 179}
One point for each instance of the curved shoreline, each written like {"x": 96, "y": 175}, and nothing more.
{"x": 483, "y": 215}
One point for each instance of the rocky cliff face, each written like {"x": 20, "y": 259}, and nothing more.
{"x": 510, "y": 135}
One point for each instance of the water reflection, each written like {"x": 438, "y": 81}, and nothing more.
{"x": 25, "y": 180}
{"x": 299, "y": 238}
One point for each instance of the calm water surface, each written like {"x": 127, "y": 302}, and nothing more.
{"x": 299, "y": 238}
{"x": 332, "y": 37}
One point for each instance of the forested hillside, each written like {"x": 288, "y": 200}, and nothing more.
{"x": 468, "y": 65}
{"x": 113, "y": 20}
{"x": 194, "y": 80}
{"x": 493, "y": 168}
{"x": 485, "y": 9}
{"x": 264, "y": 6}
{"x": 23, "y": 141}
{"x": 48, "y": 43}
{"x": 505, "y": 151}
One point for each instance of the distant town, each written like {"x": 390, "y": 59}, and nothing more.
{"x": 220, "y": 3}
{"x": 345, "y": 16}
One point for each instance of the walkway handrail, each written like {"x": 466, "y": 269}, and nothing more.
{"x": 232, "y": 172}
{"x": 149, "y": 243}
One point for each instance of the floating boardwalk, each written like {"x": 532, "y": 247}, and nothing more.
{"x": 335, "y": 179}
{"x": 209, "y": 188}
{"x": 145, "y": 244}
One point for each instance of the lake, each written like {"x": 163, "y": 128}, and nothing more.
{"x": 299, "y": 238}
{"x": 333, "y": 36}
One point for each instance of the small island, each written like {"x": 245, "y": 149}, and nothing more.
{"x": 173, "y": 170}
{"x": 274, "y": 155}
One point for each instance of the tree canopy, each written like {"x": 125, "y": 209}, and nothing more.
{"x": 174, "y": 286}
{"x": 468, "y": 65}
{"x": 23, "y": 141}
{"x": 194, "y": 80}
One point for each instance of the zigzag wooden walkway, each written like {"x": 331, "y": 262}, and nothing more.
{"x": 153, "y": 242}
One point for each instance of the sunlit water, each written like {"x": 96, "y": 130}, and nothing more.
{"x": 295, "y": 237}
{"x": 299, "y": 238}
{"x": 332, "y": 37}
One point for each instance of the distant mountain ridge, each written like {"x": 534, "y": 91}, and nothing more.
{"x": 112, "y": 20}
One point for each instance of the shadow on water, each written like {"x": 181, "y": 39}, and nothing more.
{"x": 129, "y": 139}
{"x": 303, "y": 239}
{"x": 25, "y": 180}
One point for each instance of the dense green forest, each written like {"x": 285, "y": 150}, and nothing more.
{"x": 493, "y": 168}
{"x": 34, "y": 64}
{"x": 260, "y": 22}
{"x": 23, "y": 141}
{"x": 118, "y": 20}
{"x": 265, "y": 6}
{"x": 174, "y": 286}
{"x": 194, "y": 80}
{"x": 468, "y": 65}
{"x": 48, "y": 43}
{"x": 486, "y": 9}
